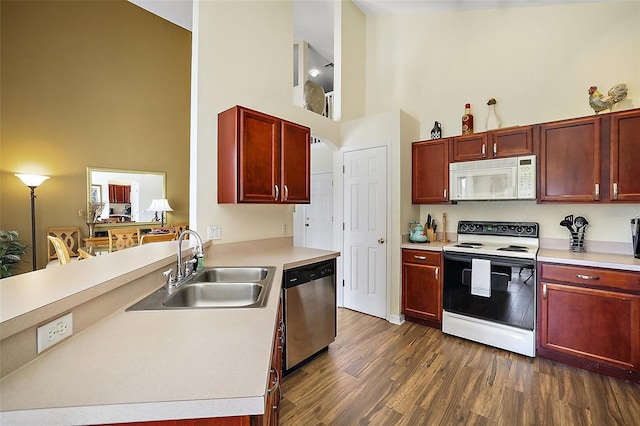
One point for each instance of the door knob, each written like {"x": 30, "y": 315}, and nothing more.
{"x": 381, "y": 241}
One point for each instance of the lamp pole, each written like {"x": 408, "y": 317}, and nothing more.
{"x": 33, "y": 227}
{"x": 33, "y": 181}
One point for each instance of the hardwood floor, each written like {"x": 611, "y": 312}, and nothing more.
{"x": 381, "y": 374}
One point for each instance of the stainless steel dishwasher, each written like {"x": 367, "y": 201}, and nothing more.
{"x": 309, "y": 311}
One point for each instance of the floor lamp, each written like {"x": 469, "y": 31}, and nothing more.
{"x": 33, "y": 181}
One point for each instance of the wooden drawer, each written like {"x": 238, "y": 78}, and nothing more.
{"x": 421, "y": 257}
{"x": 592, "y": 277}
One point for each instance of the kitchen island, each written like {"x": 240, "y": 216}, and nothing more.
{"x": 144, "y": 365}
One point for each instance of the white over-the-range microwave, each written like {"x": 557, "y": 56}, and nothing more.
{"x": 499, "y": 179}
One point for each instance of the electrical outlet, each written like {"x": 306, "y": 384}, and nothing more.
{"x": 214, "y": 232}
{"x": 54, "y": 331}
{"x": 284, "y": 229}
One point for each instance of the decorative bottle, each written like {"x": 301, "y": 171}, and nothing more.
{"x": 493, "y": 122}
{"x": 467, "y": 120}
{"x": 436, "y": 132}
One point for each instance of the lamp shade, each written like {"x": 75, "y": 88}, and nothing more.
{"x": 160, "y": 205}
{"x": 32, "y": 181}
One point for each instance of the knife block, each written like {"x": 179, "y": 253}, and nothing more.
{"x": 431, "y": 236}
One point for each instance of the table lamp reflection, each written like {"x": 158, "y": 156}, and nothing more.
{"x": 160, "y": 205}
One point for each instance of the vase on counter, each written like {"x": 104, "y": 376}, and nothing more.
{"x": 493, "y": 122}
{"x": 436, "y": 132}
{"x": 92, "y": 229}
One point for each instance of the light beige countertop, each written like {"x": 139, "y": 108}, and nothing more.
{"x": 435, "y": 246}
{"x": 599, "y": 260}
{"x": 148, "y": 365}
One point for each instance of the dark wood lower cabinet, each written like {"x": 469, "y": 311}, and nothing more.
{"x": 422, "y": 287}
{"x": 590, "y": 318}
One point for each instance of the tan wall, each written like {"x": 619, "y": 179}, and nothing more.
{"x": 98, "y": 83}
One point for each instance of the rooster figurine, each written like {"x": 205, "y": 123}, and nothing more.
{"x": 599, "y": 103}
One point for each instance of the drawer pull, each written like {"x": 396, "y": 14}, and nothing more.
{"x": 420, "y": 257}
{"x": 587, "y": 277}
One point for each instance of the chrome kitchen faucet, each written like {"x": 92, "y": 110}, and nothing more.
{"x": 190, "y": 266}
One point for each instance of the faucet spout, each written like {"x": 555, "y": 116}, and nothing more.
{"x": 198, "y": 253}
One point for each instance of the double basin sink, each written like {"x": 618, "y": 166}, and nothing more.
{"x": 217, "y": 287}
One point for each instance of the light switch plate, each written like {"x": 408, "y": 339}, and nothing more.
{"x": 214, "y": 232}
{"x": 54, "y": 331}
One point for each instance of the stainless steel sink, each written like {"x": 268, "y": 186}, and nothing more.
{"x": 218, "y": 287}
{"x": 232, "y": 275}
{"x": 216, "y": 295}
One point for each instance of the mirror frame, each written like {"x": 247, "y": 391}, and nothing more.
{"x": 91, "y": 169}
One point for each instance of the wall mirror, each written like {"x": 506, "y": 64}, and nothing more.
{"x": 126, "y": 194}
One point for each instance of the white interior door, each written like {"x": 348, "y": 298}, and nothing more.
{"x": 318, "y": 215}
{"x": 365, "y": 231}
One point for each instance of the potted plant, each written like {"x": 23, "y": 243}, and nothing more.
{"x": 10, "y": 251}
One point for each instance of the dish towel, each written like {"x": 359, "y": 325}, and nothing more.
{"x": 481, "y": 277}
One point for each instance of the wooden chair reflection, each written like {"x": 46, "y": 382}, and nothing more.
{"x": 123, "y": 238}
{"x": 179, "y": 227}
{"x": 60, "y": 249}
{"x": 70, "y": 237}
{"x": 154, "y": 238}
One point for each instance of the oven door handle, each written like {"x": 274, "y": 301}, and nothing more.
{"x": 512, "y": 262}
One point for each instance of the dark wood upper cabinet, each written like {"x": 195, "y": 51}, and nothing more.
{"x": 501, "y": 143}
{"x": 295, "y": 166}
{"x": 510, "y": 142}
{"x": 430, "y": 171}
{"x": 569, "y": 160}
{"x": 470, "y": 147}
{"x": 119, "y": 194}
{"x": 262, "y": 159}
{"x": 590, "y": 159}
{"x": 624, "y": 156}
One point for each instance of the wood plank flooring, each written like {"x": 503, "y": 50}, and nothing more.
{"x": 381, "y": 374}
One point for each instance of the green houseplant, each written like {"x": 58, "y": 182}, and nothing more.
{"x": 10, "y": 251}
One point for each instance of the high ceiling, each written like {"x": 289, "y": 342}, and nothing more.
{"x": 313, "y": 19}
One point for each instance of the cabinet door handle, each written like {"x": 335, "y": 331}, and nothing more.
{"x": 277, "y": 192}
{"x": 495, "y": 149}
{"x": 615, "y": 190}
{"x": 587, "y": 277}
{"x": 544, "y": 291}
{"x": 484, "y": 150}
{"x": 420, "y": 257}
{"x": 438, "y": 273}
{"x": 445, "y": 194}
{"x": 276, "y": 381}
{"x": 597, "y": 197}
{"x": 286, "y": 193}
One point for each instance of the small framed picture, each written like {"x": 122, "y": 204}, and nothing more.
{"x": 96, "y": 193}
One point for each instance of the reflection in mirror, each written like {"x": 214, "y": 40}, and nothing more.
{"x": 126, "y": 194}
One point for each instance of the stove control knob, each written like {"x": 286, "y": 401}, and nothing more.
{"x": 504, "y": 229}
{"x": 529, "y": 230}
{"x": 519, "y": 229}
{"x": 464, "y": 227}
